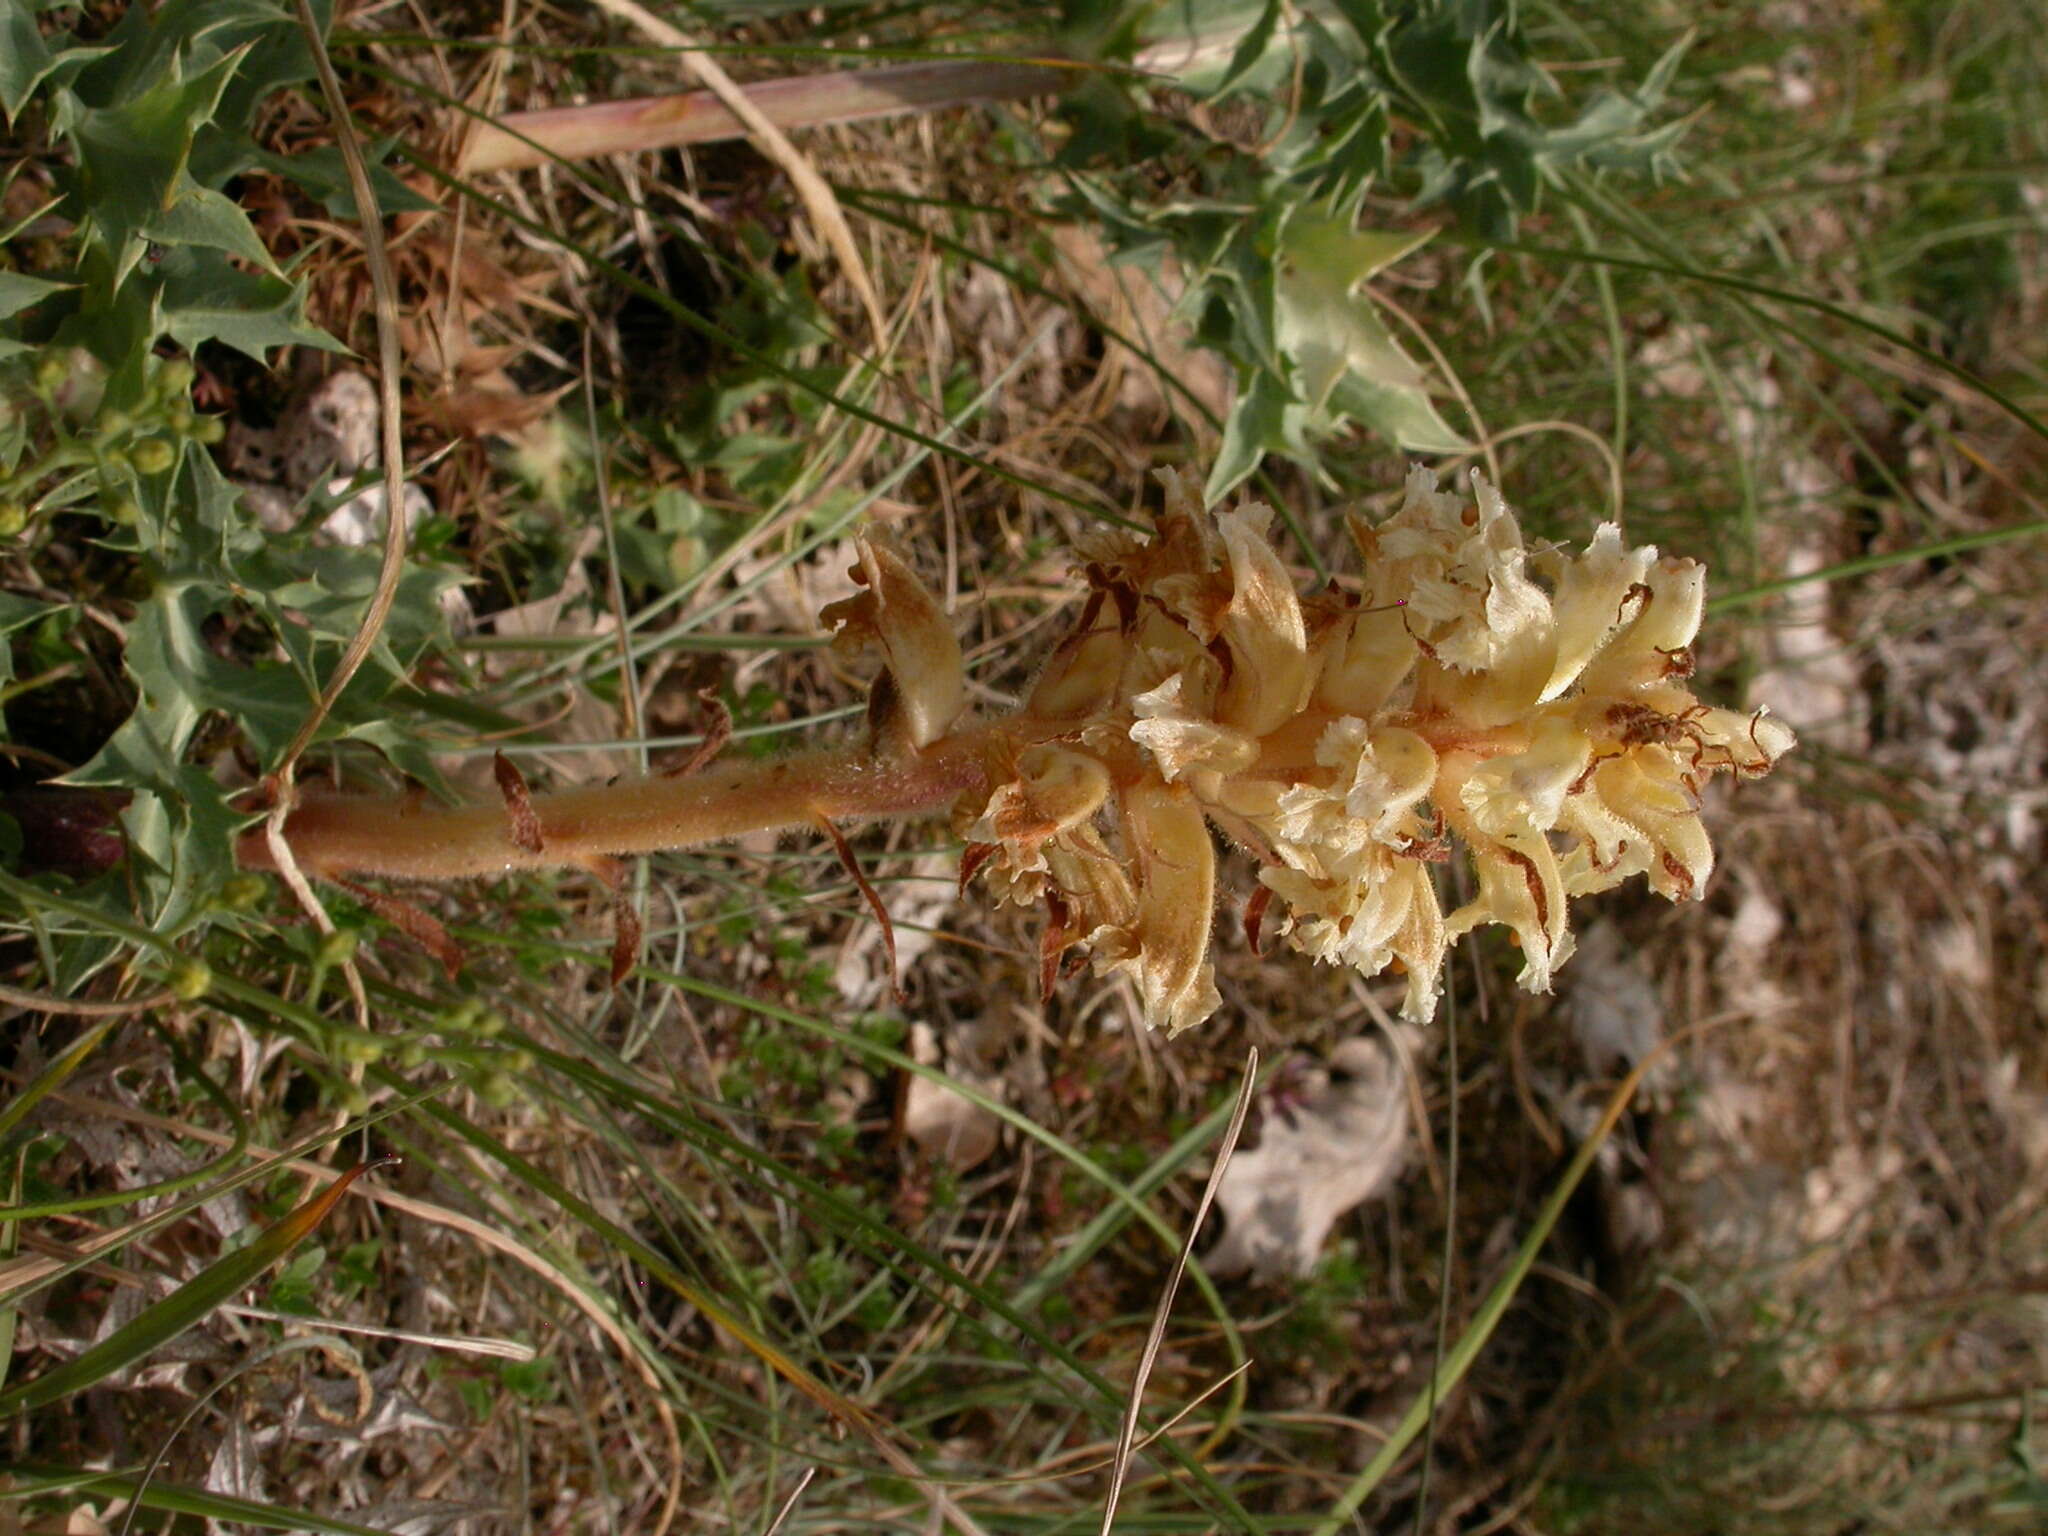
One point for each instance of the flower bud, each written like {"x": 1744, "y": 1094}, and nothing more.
{"x": 174, "y": 379}
{"x": 243, "y": 893}
{"x": 152, "y": 456}
{"x": 189, "y": 980}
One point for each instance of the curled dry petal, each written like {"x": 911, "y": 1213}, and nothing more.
{"x": 1180, "y": 739}
{"x": 1080, "y": 680}
{"x": 1459, "y": 570}
{"x": 1055, "y": 790}
{"x": 897, "y": 615}
{"x": 1521, "y": 886}
{"x": 1666, "y": 612}
{"x": 1362, "y": 659}
{"x": 1595, "y": 595}
{"x": 1525, "y": 792}
{"x": 1380, "y": 910}
{"x": 1263, "y": 627}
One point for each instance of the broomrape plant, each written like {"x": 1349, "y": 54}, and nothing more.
{"x": 1530, "y": 705}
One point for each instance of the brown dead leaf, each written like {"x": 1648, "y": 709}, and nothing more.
{"x": 477, "y": 411}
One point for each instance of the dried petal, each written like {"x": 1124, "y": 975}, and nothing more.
{"x": 1362, "y": 659}
{"x": 1380, "y": 909}
{"x": 1175, "y": 860}
{"x": 1663, "y": 624}
{"x": 898, "y": 616}
{"x": 1460, "y": 571}
{"x": 1181, "y": 739}
{"x": 1524, "y": 792}
{"x": 1081, "y": 678}
{"x": 1596, "y": 594}
{"x": 1054, "y": 790}
{"x": 1521, "y": 886}
{"x": 1263, "y": 627}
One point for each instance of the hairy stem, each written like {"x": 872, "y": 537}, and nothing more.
{"x": 334, "y": 835}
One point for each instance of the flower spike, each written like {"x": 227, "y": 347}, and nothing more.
{"x": 1531, "y": 706}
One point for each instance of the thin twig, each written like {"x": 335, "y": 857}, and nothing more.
{"x": 456, "y": 1343}
{"x": 789, "y": 1504}
{"x": 615, "y": 591}
{"x": 384, "y": 292}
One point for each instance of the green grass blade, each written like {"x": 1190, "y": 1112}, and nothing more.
{"x": 175, "y": 1499}
{"x": 1087, "y": 1242}
{"x": 1670, "y": 264}
{"x": 53, "y": 1076}
{"x": 187, "y": 1305}
{"x": 175, "y": 1185}
{"x": 44, "y": 1278}
{"x": 1864, "y": 565}
{"x": 1491, "y": 1311}
{"x": 10, "y": 1243}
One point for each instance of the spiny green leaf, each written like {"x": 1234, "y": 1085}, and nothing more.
{"x": 1251, "y": 51}
{"x": 321, "y": 174}
{"x": 1257, "y": 425}
{"x": 27, "y": 61}
{"x": 177, "y": 1499}
{"x": 18, "y": 291}
{"x": 1401, "y": 414}
{"x": 17, "y": 612}
{"x": 188, "y": 37}
{"x": 1326, "y": 331}
{"x": 132, "y": 157}
{"x": 189, "y": 1304}
{"x": 205, "y": 298}
{"x": 201, "y": 216}
{"x": 24, "y": 56}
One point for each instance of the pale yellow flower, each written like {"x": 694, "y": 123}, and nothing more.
{"x": 1529, "y": 707}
